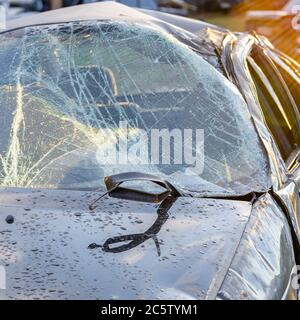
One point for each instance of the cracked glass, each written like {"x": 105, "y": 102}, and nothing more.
{"x": 65, "y": 89}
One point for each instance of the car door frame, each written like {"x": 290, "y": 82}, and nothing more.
{"x": 294, "y": 71}
{"x": 283, "y": 185}
{"x": 278, "y": 57}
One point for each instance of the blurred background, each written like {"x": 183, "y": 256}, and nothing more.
{"x": 279, "y": 20}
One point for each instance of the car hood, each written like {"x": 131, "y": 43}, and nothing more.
{"x": 45, "y": 238}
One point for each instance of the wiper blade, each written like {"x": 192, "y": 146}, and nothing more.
{"x": 165, "y": 198}
{"x": 136, "y": 239}
{"x": 114, "y": 189}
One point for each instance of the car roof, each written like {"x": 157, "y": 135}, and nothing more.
{"x": 145, "y": 4}
{"x": 106, "y": 10}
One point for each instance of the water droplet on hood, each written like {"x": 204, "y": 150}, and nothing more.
{"x": 10, "y": 219}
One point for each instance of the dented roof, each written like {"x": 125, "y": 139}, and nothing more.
{"x": 107, "y": 10}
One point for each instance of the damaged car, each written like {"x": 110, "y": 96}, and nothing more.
{"x": 146, "y": 156}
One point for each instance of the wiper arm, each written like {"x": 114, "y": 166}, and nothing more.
{"x": 165, "y": 198}
{"x": 115, "y": 190}
{"x": 136, "y": 239}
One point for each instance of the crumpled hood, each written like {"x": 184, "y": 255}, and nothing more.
{"x": 45, "y": 250}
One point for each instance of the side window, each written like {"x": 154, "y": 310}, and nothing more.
{"x": 278, "y": 105}
{"x": 291, "y": 77}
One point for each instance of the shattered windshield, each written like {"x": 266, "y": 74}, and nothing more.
{"x": 83, "y": 100}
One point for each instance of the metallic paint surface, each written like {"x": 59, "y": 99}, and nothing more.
{"x": 46, "y": 253}
{"x": 264, "y": 261}
{"x": 210, "y": 248}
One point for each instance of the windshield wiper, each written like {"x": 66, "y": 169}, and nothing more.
{"x": 165, "y": 198}
{"x": 135, "y": 239}
{"x": 114, "y": 189}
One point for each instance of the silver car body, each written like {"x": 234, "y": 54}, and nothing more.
{"x": 222, "y": 248}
